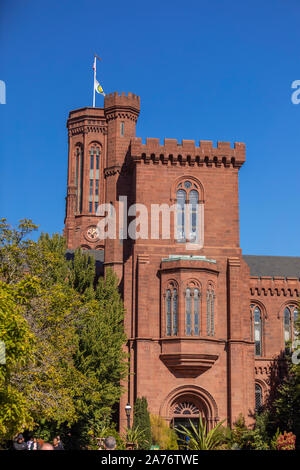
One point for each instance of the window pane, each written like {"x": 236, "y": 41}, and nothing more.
{"x": 257, "y": 331}
{"x": 208, "y": 313}
{"x": 212, "y": 313}
{"x": 92, "y": 159}
{"x": 193, "y": 206}
{"x": 196, "y": 311}
{"x": 181, "y": 199}
{"x": 168, "y": 310}
{"x": 188, "y": 317}
{"x": 258, "y": 397}
{"x": 296, "y": 333}
{"x": 175, "y": 326}
{"x": 287, "y": 325}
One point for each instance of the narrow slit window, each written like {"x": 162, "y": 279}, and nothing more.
{"x": 168, "y": 310}
{"x": 257, "y": 331}
{"x": 175, "y": 313}
{"x": 196, "y": 312}
{"x": 188, "y": 313}
{"x": 181, "y": 201}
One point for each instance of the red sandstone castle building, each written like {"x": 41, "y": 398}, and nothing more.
{"x": 205, "y": 327}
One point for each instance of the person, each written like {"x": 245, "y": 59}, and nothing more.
{"x": 110, "y": 443}
{"x": 57, "y": 445}
{"x": 19, "y": 443}
{"x": 35, "y": 445}
{"x": 47, "y": 446}
{"x": 30, "y": 442}
{"x": 60, "y": 443}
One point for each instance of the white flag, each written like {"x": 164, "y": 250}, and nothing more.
{"x": 99, "y": 88}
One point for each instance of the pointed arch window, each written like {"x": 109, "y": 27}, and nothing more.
{"x": 181, "y": 202}
{"x": 257, "y": 328}
{"x": 196, "y": 312}
{"x": 94, "y": 178}
{"x": 258, "y": 398}
{"x": 171, "y": 302}
{"x": 210, "y": 311}
{"x": 291, "y": 334}
{"x": 188, "y": 312}
{"x": 78, "y": 178}
{"x": 192, "y": 311}
{"x": 187, "y": 201}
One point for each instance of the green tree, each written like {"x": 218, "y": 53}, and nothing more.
{"x": 141, "y": 420}
{"x": 64, "y": 339}
{"x": 19, "y": 345}
{"x": 100, "y": 354}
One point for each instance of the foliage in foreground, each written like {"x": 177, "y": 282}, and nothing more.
{"x": 162, "y": 435}
{"x": 63, "y": 337}
{"x": 200, "y": 438}
{"x": 141, "y": 420}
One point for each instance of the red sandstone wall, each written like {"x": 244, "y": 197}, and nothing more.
{"x": 148, "y": 174}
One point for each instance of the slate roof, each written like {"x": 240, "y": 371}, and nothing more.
{"x": 281, "y": 266}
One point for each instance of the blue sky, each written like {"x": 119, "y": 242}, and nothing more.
{"x": 205, "y": 70}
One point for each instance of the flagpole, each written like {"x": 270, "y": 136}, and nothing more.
{"x": 94, "y": 81}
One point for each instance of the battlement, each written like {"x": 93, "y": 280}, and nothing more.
{"x": 116, "y": 101}
{"x": 187, "y": 151}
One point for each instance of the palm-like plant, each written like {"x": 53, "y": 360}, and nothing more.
{"x": 201, "y": 439}
{"x": 133, "y": 435}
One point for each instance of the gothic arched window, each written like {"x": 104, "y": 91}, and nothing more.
{"x": 94, "y": 153}
{"x": 290, "y": 316}
{"x": 210, "y": 311}
{"x": 78, "y": 178}
{"x": 181, "y": 202}
{"x": 187, "y": 201}
{"x": 257, "y": 329}
{"x": 192, "y": 311}
{"x": 258, "y": 398}
{"x": 171, "y": 307}
{"x": 196, "y": 312}
{"x": 188, "y": 312}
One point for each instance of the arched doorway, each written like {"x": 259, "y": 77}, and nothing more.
{"x": 189, "y": 402}
{"x": 186, "y": 411}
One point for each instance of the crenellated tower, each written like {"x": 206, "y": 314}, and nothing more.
{"x": 87, "y": 137}
{"x": 99, "y": 141}
{"x": 121, "y": 113}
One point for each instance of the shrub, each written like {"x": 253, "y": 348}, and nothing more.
{"x": 286, "y": 441}
{"x": 162, "y": 434}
